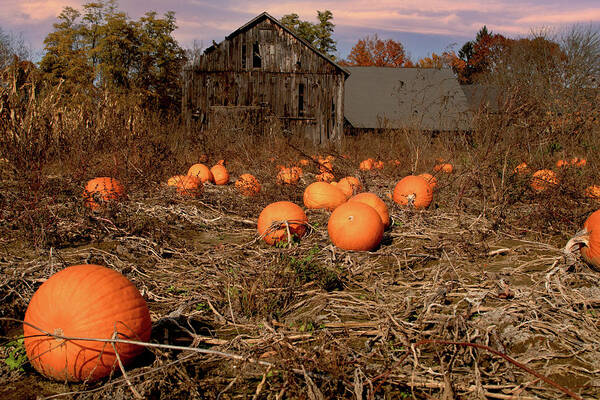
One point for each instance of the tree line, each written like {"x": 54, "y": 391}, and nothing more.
{"x": 101, "y": 47}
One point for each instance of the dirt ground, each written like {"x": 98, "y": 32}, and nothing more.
{"x": 468, "y": 299}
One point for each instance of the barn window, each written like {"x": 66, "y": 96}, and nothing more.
{"x": 301, "y": 99}
{"x": 256, "y": 60}
{"x": 244, "y": 55}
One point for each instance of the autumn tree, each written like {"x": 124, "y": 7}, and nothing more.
{"x": 100, "y": 46}
{"x": 319, "y": 35}
{"x": 478, "y": 56}
{"x": 11, "y": 46}
{"x": 437, "y": 61}
{"x": 372, "y": 51}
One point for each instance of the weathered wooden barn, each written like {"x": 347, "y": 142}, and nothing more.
{"x": 264, "y": 69}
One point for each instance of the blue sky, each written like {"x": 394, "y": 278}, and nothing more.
{"x": 423, "y": 26}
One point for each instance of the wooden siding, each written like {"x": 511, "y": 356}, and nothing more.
{"x": 218, "y": 79}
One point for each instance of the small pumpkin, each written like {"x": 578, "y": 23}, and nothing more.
{"x": 325, "y": 177}
{"x": 202, "y": 172}
{"x": 522, "y": 169}
{"x": 562, "y": 163}
{"x": 220, "y": 174}
{"x": 304, "y": 162}
{"x": 378, "y": 164}
{"x": 430, "y": 179}
{"x": 349, "y": 185}
{"x": 298, "y": 171}
{"x": 413, "y": 191}
{"x": 593, "y": 192}
{"x": 275, "y": 220}
{"x": 323, "y": 195}
{"x": 366, "y": 165}
{"x": 543, "y": 179}
{"x": 186, "y": 185}
{"x": 355, "y": 226}
{"x": 102, "y": 190}
{"x": 444, "y": 167}
{"x": 371, "y": 199}
{"x": 287, "y": 176}
{"x": 85, "y": 301}
{"x": 325, "y": 166}
{"x": 248, "y": 185}
{"x": 578, "y": 162}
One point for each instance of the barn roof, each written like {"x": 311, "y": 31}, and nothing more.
{"x": 421, "y": 98}
{"x": 482, "y": 96}
{"x": 265, "y": 15}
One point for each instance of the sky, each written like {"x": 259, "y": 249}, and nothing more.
{"x": 422, "y": 26}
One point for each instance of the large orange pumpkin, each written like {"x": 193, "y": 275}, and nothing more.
{"x": 275, "y": 219}
{"x": 323, "y": 195}
{"x": 248, "y": 185}
{"x": 349, "y": 185}
{"x": 413, "y": 191}
{"x": 371, "y": 199}
{"x": 84, "y": 301}
{"x": 186, "y": 185}
{"x": 102, "y": 190}
{"x": 202, "y": 172}
{"x": 543, "y": 179}
{"x": 355, "y": 226}
{"x": 220, "y": 174}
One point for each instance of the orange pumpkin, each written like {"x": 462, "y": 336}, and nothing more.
{"x": 430, "y": 179}
{"x": 543, "y": 179}
{"x": 297, "y": 170}
{"x": 521, "y": 169}
{"x": 85, "y": 301}
{"x": 102, "y": 190}
{"x": 355, "y": 226}
{"x": 578, "y": 162}
{"x": 275, "y": 219}
{"x": 395, "y": 162}
{"x": 323, "y": 195}
{"x": 304, "y": 162}
{"x": 220, "y": 174}
{"x": 378, "y": 164}
{"x": 202, "y": 172}
{"x": 371, "y": 199}
{"x": 186, "y": 185}
{"x": 349, "y": 185}
{"x": 366, "y": 165}
{"x": 413, "y": 191}
{"x": 325, "y": 166}
{"x": 325, "y": 177}
{"x": 287, "y": 175}
{"x": 445, "y": 167}
{"x": 562, "y": 163}
{"x": 248, "y": 185}
{"x": 588, "y": 241}
{"x": 593, "y": 192}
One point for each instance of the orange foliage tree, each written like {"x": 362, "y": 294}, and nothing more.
{"x": 446, "y": 60}
{"x": 372, "y": 51}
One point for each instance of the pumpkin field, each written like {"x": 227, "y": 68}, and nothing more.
{"x": 468, "y": 294}
{"x": 143, "y": 258}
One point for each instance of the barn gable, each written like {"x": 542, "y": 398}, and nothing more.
{"x": 263, "y": 68}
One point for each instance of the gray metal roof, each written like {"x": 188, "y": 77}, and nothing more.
{"x": 482, "y": 97}
{"x": 414, "y": 98}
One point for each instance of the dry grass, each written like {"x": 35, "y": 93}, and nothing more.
{"x": 481, "y": 265}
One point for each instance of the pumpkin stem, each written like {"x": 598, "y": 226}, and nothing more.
{"x": 581, "y": 239}
{"x": 411, "y": 199}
